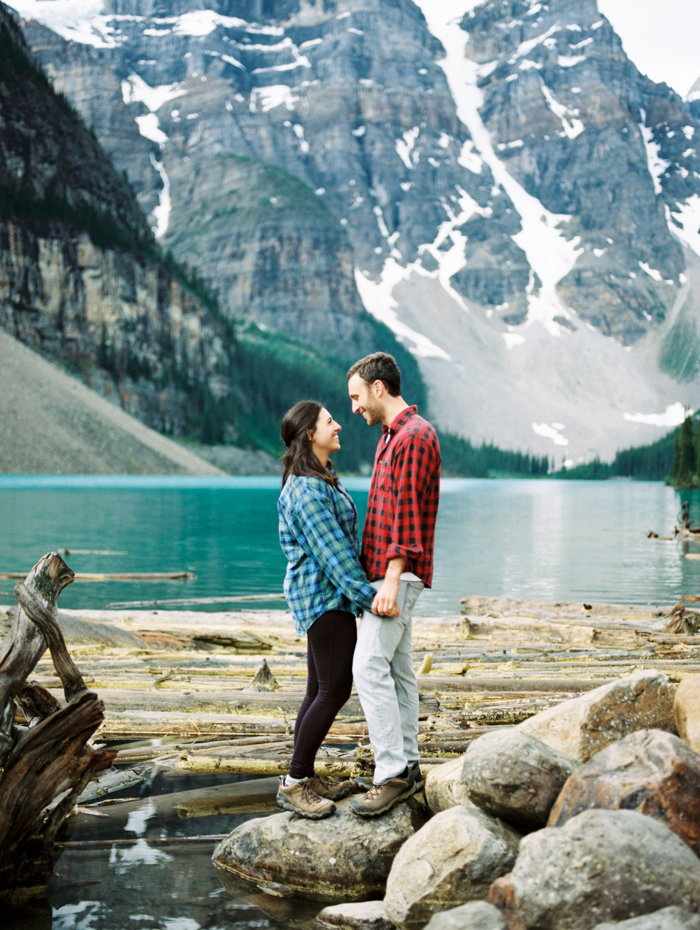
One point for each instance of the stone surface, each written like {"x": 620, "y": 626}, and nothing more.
{"x": 582, "y": 726}
{"x": 670, "y": 918}
{"x": 477, "y": 915}
{"x": 444, "y": 787}
{"x": 515, "y": 776}
{"x": 686, "y": 711}
{"x": 650, "y": 771}
{"x": 364, "y": 915}
{"x": 452, "y": 860}
{"x": 600, "y": 866}
{"x": 340, "y": 858}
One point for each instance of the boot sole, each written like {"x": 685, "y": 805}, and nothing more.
{"x": 365, "y": 812}
{"x": 286, "y": 805}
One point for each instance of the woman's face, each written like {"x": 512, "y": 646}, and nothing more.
{"x": 324, "y": 438}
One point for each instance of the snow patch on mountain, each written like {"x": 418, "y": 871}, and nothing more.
{"x": 572, "y": 126}
{"x": 134, "y": 89}
{"x": 551, "y": 431}
{"x": 672, "y": 416}
{"x": 550, "y": 254}
{"x": 378, "y": 300}
{"x": 657, "y": 165}
{"x": 684, "y": 222}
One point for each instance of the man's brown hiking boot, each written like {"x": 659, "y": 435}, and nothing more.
{"x": 301, "y": 799}
{"x": 381, "y": 798}
{"x": 365, "y": 782}
{"x": 330, "y": 790}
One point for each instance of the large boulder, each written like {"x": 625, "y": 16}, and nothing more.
{"x": 444, "y": 787}
{"x": 584, "y": 725}
{"x": 341, "y": 858}
{"x": 670, "y": 918}
{"x": 515, "y": 776}
{"x": 686, "y": 711}
{"x": 477, "y": 915}
{"x": 364, "y": 915}
{"x": 600, "y": 866}
{"x": 452, "y": 860}
{"x": 651, "y": 771}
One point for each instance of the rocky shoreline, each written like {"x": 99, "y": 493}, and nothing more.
{"x": 560, "y": 747}
{"x": 517, "y": 834}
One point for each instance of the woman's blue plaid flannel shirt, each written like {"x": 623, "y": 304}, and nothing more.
{"x": 318, "y": 530}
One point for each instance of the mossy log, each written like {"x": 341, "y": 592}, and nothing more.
{"x": 46, "y": 766}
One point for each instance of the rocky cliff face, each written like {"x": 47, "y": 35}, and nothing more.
{"x": 71, "y": 284}
{"x": 507, "y": 191}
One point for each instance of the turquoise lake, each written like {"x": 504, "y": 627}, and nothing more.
{"x": 541, "y": 539}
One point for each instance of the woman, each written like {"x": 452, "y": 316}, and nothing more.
{"x": 325, "y": 588}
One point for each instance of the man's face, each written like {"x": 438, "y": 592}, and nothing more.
{"x": 364, "y": 399}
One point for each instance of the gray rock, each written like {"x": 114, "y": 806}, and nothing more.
{"x": 365, "y": 915}
{"x": 584, "y": 725}
{"x": 670, "y": 918}
{"x": 686, "y": 711}
{"x": 444, "y": 787}
{"x": 341, "y": 858}
{"x": 600, "y": 866}
{"x": 452, "y": 860}
{"x": 515, "y": 776}
{"x": 650, "y": 771}
{"x": 477, "y": 915}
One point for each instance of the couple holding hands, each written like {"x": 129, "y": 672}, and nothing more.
{"x": 330, "y": 582}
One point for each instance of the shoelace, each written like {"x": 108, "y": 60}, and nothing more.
{"x": 308, "y": 795}
{"x": 373, "y": 792}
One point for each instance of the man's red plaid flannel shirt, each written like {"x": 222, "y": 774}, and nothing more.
{"x": 403, "y": 498}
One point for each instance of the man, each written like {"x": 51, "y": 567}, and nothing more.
{"x": 397, "y": 556}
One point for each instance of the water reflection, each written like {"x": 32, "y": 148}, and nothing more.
{"x": 143, "y": 867}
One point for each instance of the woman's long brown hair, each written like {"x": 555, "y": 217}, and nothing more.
{"x": 300, "y": 459}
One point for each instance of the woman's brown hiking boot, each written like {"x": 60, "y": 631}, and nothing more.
{"x": 300, "y": 798}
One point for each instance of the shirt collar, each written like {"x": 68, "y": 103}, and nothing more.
{"x": 398, "y": 422}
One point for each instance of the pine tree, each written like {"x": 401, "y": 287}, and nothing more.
{"x": 685, "y": 456}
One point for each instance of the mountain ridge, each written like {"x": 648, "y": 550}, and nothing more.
{"x": 518, "y": 202}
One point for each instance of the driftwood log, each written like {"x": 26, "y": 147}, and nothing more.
{"x": 45, "y": 766}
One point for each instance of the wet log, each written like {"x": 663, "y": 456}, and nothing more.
{"x": 45, "y": 766}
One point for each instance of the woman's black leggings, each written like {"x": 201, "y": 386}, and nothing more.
{"x": 330, "y": 646}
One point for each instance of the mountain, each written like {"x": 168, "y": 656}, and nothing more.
{"x": 84, "y": 281}
{"x": 497, "y": 183}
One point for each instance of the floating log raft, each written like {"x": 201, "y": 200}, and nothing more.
{"x": 43, "y": 768}
{"x": 185, "y": 681}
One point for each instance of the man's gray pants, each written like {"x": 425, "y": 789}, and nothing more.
{"x": 386, "y": 684}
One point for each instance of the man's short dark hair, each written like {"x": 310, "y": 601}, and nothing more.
{"x": 379, "y": 366}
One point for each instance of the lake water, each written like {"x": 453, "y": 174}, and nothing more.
{"x": 541, "y": 539}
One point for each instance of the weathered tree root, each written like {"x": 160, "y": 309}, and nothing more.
{"x": 46, "y": 766}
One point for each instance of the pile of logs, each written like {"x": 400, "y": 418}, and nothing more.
{"x": 220, "y": 691}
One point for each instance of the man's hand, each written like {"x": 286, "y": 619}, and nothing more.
{"x": 384, "y": 602}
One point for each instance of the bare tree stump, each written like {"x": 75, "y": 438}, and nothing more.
{"x": 46, "y": 766}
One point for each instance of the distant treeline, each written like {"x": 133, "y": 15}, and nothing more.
{"x": 461, "y": 459}
{"x": 653, "y": 462}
